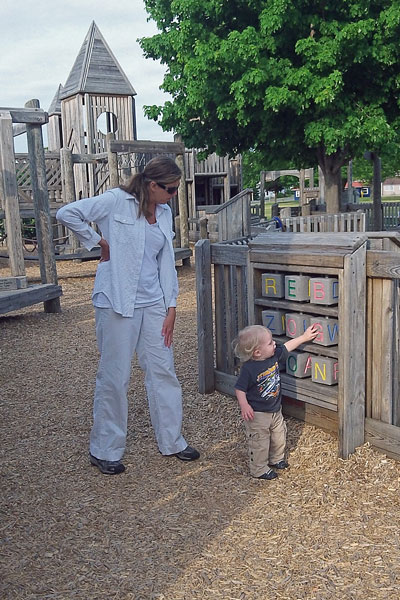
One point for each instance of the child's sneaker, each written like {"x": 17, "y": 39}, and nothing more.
{"x": 268, "y": 475}
{"x": 282, "y": 464}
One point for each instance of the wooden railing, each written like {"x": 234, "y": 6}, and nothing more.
{"x": 390, "y": 214}
{"x": 341, "y": 222}
{"x": 234, "y": 219}
{"x": 53, "y": 178}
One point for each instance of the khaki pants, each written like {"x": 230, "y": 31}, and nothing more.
{"x": 266, "y": 437}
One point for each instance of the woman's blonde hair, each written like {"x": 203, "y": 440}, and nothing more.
{"x": 247, "y": 341}
{"x": 161, "y": 169}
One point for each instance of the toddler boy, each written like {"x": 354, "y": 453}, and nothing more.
{"x": 259, "y": 393}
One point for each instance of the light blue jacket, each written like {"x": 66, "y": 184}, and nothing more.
{"x": 115, "y": 212}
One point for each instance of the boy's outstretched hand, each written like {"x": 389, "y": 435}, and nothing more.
{"x": 309, "y": 335}
{"x": 311, "y": 332}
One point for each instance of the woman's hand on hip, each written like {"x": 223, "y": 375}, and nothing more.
{"x": 105, "y": 250}
{"x": 168, "y": 326}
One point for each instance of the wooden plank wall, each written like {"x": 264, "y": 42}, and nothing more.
{"x": 73, "y": 138}
{"x": 234, "y": 219}
{"x": 351, "y": 400}
{"x": 383, "y": 345}
{"x": 121, "y": 107}
{"x": 230, "y": 305}
{"x": 213, "y": 164}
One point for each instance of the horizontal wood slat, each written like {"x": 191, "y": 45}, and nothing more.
{"x": 16, "y": 299}
{"x": 381, "y": 263}
{"x": 383, "y": 436}
{"x": 147, "y": 146}
{"x": 34, "y": 116}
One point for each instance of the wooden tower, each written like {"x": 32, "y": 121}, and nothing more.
{"x": 96, "y": 99}
{"x": 54, "y": 126}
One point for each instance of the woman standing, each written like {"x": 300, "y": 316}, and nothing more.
{"x": 134, "y": 296}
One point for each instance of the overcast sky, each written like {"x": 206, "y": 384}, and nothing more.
{"x": 40, "y": 39}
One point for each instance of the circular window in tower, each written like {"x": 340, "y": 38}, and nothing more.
{"x": 107, "y": 123}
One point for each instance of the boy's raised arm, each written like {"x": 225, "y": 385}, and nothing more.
{"x": 310, "y": 333}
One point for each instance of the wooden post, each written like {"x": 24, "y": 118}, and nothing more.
{"x": 377, "y": 197}
{"x": 10, "y": 196}
{"x": 204, "y": 317}
{"x": 321, "y": 185}
{"x": 350, "y": 182}
{"x": 301, "y": 186}
{"x": 193, "y": 163}
{"x": 227, "y": 180}
{"x": 377, "y": 224}
{"x": 203, "y": 228}
{"x": 262, "y": 194}
{"x": 47, "y": 261}
{"x": 112, "y": 162}
{"x": 351, "y": 398}
{"x": 311, "y": 177}
{"x": 68, "y": 189}
{"x": 275, "y": 210}
{"x": 182, "y": 199}
{"x": 177, "y": 240}
{"x": 67, "y": 176}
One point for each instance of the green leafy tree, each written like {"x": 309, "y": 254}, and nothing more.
{"x": 299, "y": 80}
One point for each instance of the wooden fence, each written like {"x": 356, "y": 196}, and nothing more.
{"x": 342, "y": 222}
{"x": 390, "y": 214}
{"x": 222, "y": 272}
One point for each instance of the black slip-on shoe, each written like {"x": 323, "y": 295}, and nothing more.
{"x": 268, "y": 475}
{"x": 282, "y": 464}
{"x": 188, "y": 454}
{"x": 108, "y": 467}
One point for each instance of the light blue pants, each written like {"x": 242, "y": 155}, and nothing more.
{"x": 118, "y": 338}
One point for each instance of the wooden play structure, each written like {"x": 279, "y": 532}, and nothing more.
{"x": 309, "y": 196}
{"x": 357, "y": 396}
{"x": 15, "y": 293}
{"x": 92, "y": 146}
{"x": 94, "y": 115}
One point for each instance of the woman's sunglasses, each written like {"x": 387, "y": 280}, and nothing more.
{"x": 169, "y": 190}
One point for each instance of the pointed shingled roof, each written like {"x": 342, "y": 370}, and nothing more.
{"x": 55, "y": 106}
{"x": 96, "y": 70}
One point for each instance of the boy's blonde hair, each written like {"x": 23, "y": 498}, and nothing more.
{"x": 247, "y": 341}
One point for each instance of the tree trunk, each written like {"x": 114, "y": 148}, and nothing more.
{"x": 332, "y": 191}
{"x": 376, "y": 196}
{"x": 330, "y": 165}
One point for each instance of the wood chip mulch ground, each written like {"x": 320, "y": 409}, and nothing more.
{"x": 165, "y": 530}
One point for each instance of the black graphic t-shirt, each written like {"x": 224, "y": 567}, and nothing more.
{"x": 261, "y": 381}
